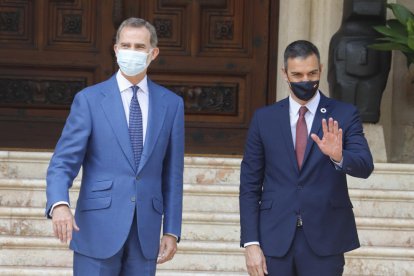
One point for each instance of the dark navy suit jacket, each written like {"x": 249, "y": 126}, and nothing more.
{"x": 273, "y": 191}
{"x": 96, "y": 137}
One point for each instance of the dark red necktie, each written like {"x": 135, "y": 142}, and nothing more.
{"x": 301, "y": 136}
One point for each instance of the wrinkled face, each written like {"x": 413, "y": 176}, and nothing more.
{"x": 303, "y": 69}
{"x": 137, "y": 39}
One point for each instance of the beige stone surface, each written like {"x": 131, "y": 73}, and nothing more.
{"x": 383, "y": 205}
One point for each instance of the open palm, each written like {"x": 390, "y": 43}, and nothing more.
{"x": 331, "y": 142}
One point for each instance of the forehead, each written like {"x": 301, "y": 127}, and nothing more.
{"x": 300, "y": 64}
{"x": 134, "y": 35}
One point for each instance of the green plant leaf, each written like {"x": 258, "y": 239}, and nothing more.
{"x": 410, "y": 26}
{"x": 389, "y": 47}
{"x": 410, "y": 42}
{"x": 391, "y": 33}
{"x": 399, "y": 28}
{"x": 401, "y": 13}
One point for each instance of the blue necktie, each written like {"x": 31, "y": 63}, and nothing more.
{"x": 135, "y": 126}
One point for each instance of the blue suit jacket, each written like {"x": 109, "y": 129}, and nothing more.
{"x": 273, "y": 191}
{"x": 96, "y": 137}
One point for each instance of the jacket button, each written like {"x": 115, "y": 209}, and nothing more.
{"x": 133, "y": 198}
{"x": 137, "y": 178}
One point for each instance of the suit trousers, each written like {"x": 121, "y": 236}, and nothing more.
{"x": 302, "y": 261}
{"x": 129, "y": 261}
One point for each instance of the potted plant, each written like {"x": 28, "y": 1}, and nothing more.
{"x": 398, "y": 33}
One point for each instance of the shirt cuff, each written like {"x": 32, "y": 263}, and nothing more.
{"x": 172, "y": 235}
{"x": 251, "y": 243}
{"x": 338, "y": 165}
{"x": 56, "y": 204}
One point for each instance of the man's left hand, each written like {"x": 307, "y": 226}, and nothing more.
{"x": 168, "y": 247}
{"x": 331, "y": 143}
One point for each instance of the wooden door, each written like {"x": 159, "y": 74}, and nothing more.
{"x": 219, "y": 55}
{"x": 49, "y": 50}
{"x": 215, "y": 54}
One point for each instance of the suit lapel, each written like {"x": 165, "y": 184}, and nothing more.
{"x": 323, "y": 111}
{"x": 156, "y": 115}
{"x": 115, "y": 114}
{"x": 284, "y": 122}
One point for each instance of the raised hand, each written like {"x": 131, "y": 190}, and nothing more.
{"x": 331, "y": 142}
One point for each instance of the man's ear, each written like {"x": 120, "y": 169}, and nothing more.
{"x": 155, "y": 53}
{"x": 284, "y": 73}
{"x": 320, "y": 68}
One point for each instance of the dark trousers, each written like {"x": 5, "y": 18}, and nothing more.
{"x": 302, "y": 261}
{"x": 129, "y": 261}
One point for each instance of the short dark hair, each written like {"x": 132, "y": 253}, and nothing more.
{"x": 300, "y": 49}
{"x": 135, "y": 22}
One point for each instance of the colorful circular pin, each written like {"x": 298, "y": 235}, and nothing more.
{"x": 323, "y": 110}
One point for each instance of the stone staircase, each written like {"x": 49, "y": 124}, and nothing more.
{"x": 383, "y": 205}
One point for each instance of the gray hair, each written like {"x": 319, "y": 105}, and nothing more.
{"x": 135, "y": 22}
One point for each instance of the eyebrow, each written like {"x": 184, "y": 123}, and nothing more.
{"x": 134, "y": 44}
{"x": 300, "y": 73}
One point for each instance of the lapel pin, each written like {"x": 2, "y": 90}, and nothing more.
{"x": 323, "y": 110}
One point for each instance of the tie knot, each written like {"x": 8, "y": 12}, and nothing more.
{"x": 134, "y": 90}
{"x": 302, "y": 111}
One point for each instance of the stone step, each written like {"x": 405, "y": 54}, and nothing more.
{"x": 200, "y": 170}
{"x": 192, "y": 255}
{"x": 208, "y": 170}
{"x": 222, "y": 198}
{"x": 383, "y": 205}
{"x": 206, "y": 226}
{"x": 57, "y": 271}
{"x": 199, "y": 256}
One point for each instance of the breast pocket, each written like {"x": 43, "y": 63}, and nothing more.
{"x": 266, "y": 205}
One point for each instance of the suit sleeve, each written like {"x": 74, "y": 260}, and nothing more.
{"x": 251, "y": 182}
{"x": 173, "y": 168}
{"x": 69, "y": 153}
{"x": 357, "y": 158}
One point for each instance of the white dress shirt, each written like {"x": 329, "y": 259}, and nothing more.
{"x": 143, "y": 99}
{"x": 294, "y": 107}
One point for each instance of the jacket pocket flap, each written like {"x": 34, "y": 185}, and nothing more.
{"x": 157, "y": 204}
{"x": 94, "y": 203}
{"x": 102, "y": 185}
{"x": 336, "y": 203}
{"x": 266, "y": 204}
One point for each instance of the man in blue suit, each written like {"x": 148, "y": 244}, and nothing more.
{"x": 127, "y": 133}
{"x": 295, "y": 212}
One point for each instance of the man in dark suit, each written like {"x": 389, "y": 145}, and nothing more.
{"x": 295, "y": 212}
{"x": 128, "y": 135}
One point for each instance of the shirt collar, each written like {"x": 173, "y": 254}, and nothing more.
{"x": 312, "y": 105}
{"x": 124, "y": 84}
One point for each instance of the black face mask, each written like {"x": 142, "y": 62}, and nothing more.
{"x": 304, "y": 90}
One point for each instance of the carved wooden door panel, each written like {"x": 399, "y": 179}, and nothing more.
{"x": 215, "y": 54}
{"x": 49, "y": 50}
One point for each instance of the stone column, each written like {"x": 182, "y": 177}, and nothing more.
{"x": 317, "y": 21}
{"x": 313, "y": 20}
